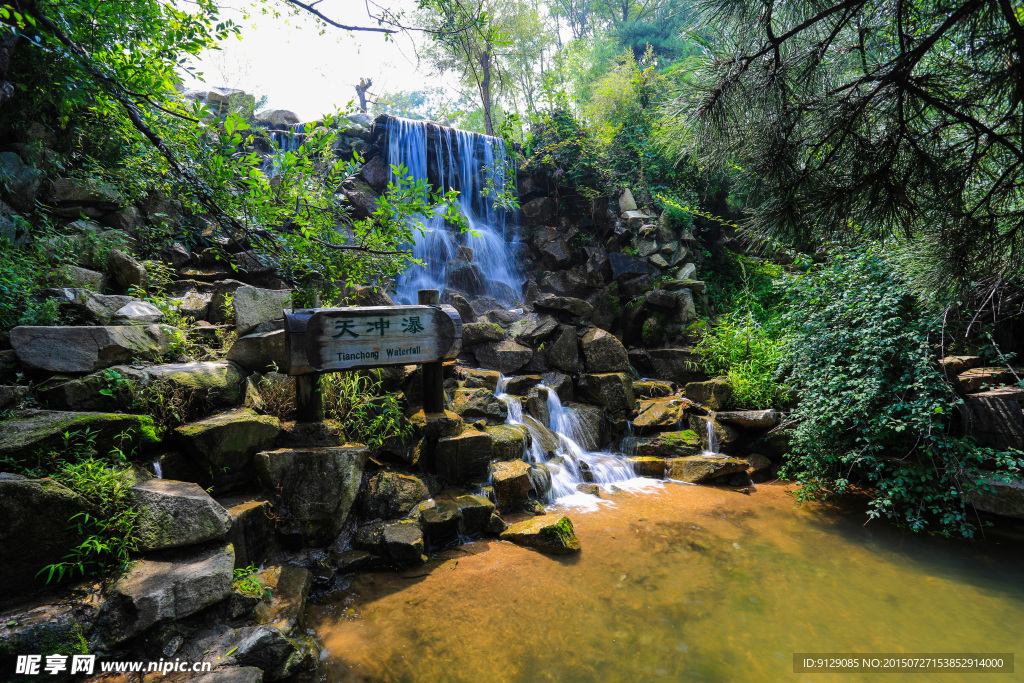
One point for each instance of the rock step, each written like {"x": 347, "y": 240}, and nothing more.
{"x": 977, "y": 379}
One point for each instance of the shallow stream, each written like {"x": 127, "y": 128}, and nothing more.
{"x": 680, "y": 583}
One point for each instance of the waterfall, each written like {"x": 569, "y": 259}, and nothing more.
{"x": 469, "y": 163}
{"x": 285, "y": 141}
{"x": 712, "y": 435}
{"x": 575, "y": 459}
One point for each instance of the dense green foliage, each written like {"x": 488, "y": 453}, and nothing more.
{"x": 873, "y": 406}
{"x": 857, "y": 121}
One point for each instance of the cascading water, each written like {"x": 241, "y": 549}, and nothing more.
{"x": 478, "y": 167}
{"x": 574, "y": 461}
{"x": 285, "y": 141}
{"x": 712, "y": 448}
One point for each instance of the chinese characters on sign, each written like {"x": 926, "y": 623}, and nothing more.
{"x": 329, "y": 340}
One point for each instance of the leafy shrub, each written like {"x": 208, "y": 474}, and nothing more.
{"x": 369, "y": 416}
{"x": 748, "y": 353}
{"x": 106, "y": 484}
{"x": 873, "y": 405}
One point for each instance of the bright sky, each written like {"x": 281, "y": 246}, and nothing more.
{"x": 297, "y": 69}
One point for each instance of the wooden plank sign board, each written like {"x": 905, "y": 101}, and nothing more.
{"x": 333, "y": 339}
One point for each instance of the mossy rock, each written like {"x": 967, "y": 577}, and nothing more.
{"x": 35, "y": 430}
{"x": 546, "y": 533}
{"x": 665, "y": 445}
{"x": 229, "y": 440}
{"x": 510, "y": 441}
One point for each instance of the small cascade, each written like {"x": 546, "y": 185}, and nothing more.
{"x": 712, "y": 448}
{"x": 575, "y": 459}
{"x": 285, "y": 141}
{"x": 157, "y": 470}
{"x": 476, "y": 166}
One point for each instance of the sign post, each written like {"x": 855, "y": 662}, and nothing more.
{"x": 321, "y": 340}
{"x": 432, "y": 373}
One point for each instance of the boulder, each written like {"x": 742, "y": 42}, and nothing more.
{"x": 565, "y": 304}
{"x": 440, "y": 520}
{"x": 254, "y": 306}
{"x": 560, "y": 383}
{"x": 645, "y": 247}
{"x": 390, "y": 494}
{"x": 464, "y": 458}
{"x": 12, "y": 396}
{"x": 167, "y": 589}
{"x": 681, "y": 365}
{"x": 537, "y": 404}
{"x": 313, "y": 489}
{"x": 520, "y": 385}
{"x": 87, "y": 349}
{"x": 612, "y": 390}
{"x": 539, "y": 211}
{"x": 224, "y": 101}
{"x": 546, "y": 533}
{"x": 686, "y": 309}
{"x": 511, "y": 482}
{"x": 252, "y": 531}
{"x": 216, "y": 383}
{"x": 532, "y": 329}
{"x": 45, "y": 626}
{"x": 267, "y": 649}
{"x": 696, "y": 469}
{"x": 653, "y": 388}
{"x": 626, "y": 201}
{"x": 83, "y": 278}
{"x": 637, "y": 219}
{"x": 481, "y": 333}
{"x": 480, "y": 379}
{"x": 660, "y": 299}
{"x": 659, "y": 413}
{"x": 604, "y": 352}
{"x": 750, "y": 419}
{"x": 647, "y": 466}
{"x": 663, "y": 445}
{"x": 126, "y": 220}
{"x": 193, "y": 304}
{"x": 221, "y": 300}
{"x": 563, "y": 350}
{"x": 473, "y": 404}
{"x": 87, "y": 306}
{"x": 658, "y": 261}
{"x": 556, "y": 254}
{"x": 475, "y": 513}
{"x": 725, "y": 436}
{"x": 261, "y": 351}
{"x": 509, "y": 442}
{"x": 135, "y": 312}
{"x": 126, "y": 271}
{"x": 506, "y": 357}
{"x": 176, "y": 513}
{"x": 22, "y": 183}
{"x": 277, "y": 118}
{"x": 955, "y": 365}
{"x": 229, "y": 440}
{"x": 35, "y": 529}
{"x": 1004, "y": 498}
{"x": 760, "y": 469}
{"x": 687, "y": 272}
{"x": 400, "y": 541}
{"x": 713, "y": 394}
{"x": 460, "y": 304}
{"x": 994, "y": 417}
{"x": 32, "y": 430}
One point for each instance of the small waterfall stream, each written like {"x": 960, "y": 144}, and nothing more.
{"x": 564, "y": 437}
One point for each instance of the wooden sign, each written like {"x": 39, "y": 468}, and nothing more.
{"x": 333, "y": 339}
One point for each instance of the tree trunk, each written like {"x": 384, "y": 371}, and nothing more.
{"x": 485, "y": 90}
{"x": 364, "y": 85}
